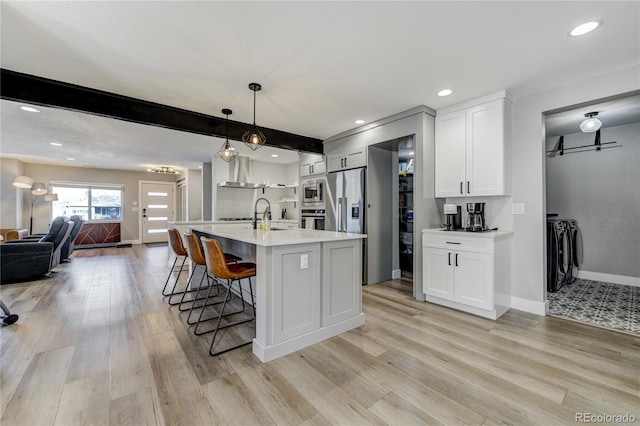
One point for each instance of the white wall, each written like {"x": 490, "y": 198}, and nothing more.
{"x": 46, "y": 173}
{"x": 11, "y": 205}
{"x": 528, "y": 184}
{"x": 601, "y": 190}
{"x": 194, "y": 194}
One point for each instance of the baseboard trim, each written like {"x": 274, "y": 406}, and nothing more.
{"x": 531, "y": 306}
{"x": 130, "y": 242}
{"x": 396, "y": 274}
{"x": 609, "y": 278}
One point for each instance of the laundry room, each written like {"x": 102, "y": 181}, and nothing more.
{"x": 593, "y": 212}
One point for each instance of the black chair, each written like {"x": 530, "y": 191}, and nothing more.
{"x": 25, "y": 261}
{"x": 70, "y": 243}
{"x": 59, "y": 231}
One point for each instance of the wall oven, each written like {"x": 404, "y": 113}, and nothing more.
{"x": 312, "y": 219}
{"x": 313, "y": 192}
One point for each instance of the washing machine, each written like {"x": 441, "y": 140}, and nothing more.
{"x": 564, "y": 252}
{"x": 574, "y": 250}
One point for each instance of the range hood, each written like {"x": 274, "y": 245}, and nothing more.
{"x": 239, "y": 172}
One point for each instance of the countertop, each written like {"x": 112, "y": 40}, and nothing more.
{"x": 282, "y": 237}
{"x": 488, "y": 234}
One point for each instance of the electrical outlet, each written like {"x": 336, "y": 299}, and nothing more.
{"x": 517, "y": 208}
{"x": 304, "y": 261}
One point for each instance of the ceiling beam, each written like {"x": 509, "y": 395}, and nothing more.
{"x": 19, "y": 87}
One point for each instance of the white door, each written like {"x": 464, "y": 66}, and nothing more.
{"x": 157, "y": 210}
{"x": 438, "y": 272}
{"x": 474, "y": 279}
{"x": 485, "y": 149}
{"x": 450, "y": 155}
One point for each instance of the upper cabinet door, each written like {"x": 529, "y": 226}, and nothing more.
{"x": 485, "y": 149}
{"x": 450, "y": 155}
{"x": 312, "y": 164}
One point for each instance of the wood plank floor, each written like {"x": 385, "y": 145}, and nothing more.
{"x": 98, "y": 345}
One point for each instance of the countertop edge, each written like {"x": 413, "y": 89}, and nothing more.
{"x": 488, "y": 234}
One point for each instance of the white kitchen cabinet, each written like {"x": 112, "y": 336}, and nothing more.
{"x": 471, "y": 150}
{"x": 351, "y": 159}
{"x": 342, "y": 289}
{"x": 468, "y": 271}
{"x": 312, "y": 164}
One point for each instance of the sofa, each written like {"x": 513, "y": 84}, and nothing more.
{"x": 9, "y": 234}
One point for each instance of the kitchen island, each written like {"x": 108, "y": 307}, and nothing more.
{"x": 308, "y": 286}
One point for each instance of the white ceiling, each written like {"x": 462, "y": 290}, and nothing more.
{"x": 322, "y": 64}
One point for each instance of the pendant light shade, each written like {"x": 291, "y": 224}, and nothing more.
{"x": 51, "y": 197}
{"x": 38, "y": 188}
{"x": 24, "y": 182}
{"x": 591, "y": 124}
{"x": 254, "y": 138}
{"x": 228, "y": 153}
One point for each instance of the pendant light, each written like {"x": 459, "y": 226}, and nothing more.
{"x": 591, "y": 124}
{"x": 254, "y": 138}
{"x": 228, "y": 153}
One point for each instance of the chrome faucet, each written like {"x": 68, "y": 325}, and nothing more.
{"x": 255, "y": 211}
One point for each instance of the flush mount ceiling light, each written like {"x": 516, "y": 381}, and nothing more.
{"x": 29, "y": 109}
{"x": 445, "y": 92}
{"x": 591, "y": 124}
{"x": 164, "y": 170}
{"x": 228, "y": 153}
{"x": 585, "y": 28}
{"x": 24, "y": 182}
{"x": 254, "y": 138}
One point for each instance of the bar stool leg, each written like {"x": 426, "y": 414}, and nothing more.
{"x": 221, "y": 314}
{"x": 184, "y": 259}
{"x": 219, "y": 327}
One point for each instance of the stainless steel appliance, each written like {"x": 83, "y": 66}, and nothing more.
{"x": 475, "y": 217}
{"x": 313, "y": 192}
{"x": 345, "y": 202}
{"x": 312, "y": 219}
{"x": 453, "y": 215}
{"x": 346, "y": 208}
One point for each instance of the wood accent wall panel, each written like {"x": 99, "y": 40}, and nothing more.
{"x": 99, "y": 233}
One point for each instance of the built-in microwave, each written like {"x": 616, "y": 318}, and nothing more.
{"x": 313, "y": 192}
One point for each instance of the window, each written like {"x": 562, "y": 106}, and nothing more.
{"x": 93, "y": 203}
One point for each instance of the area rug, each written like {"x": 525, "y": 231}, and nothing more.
{"x": 608, "y": 305}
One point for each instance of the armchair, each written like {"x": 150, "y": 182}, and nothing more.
{"x": 25, "y": 261}
{"x": 70, "y": 244}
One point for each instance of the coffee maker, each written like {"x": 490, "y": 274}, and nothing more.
{"x": 475, "y": 217}
{"x": 453, "y": 217}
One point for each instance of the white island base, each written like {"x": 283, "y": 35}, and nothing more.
{"x": 308, "y": 286}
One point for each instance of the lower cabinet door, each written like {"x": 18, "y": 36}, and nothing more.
{"x": 438, "y": 273}
{"x": 474, "y": 279}
{"x": 341, "y": 282}
{"x": 296, "y": 291}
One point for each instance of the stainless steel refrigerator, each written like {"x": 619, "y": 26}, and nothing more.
{"x": 345, "y": 206}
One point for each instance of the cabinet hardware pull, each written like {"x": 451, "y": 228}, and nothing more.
{"x": 342, "y": 162}
{"x": 461, "y": 188}
{"x": 456, "y": 259}
{"x": 452, "y": 242}
{"x": 345, "y": 161}
{"x": 449, "y": 258}
{"x": 468, "y": 187}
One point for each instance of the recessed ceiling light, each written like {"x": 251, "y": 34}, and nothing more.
{"x": 30, "y": 109}
{"x": 359, "y": 121}
{"x": 582, "y": 29}
{"x": 71, "y": 159}
{"x": 55, "y": 143}
{"x": 445, "y": 92}
{"x": 274, "y": 155}
{"x": 200, "y": 166}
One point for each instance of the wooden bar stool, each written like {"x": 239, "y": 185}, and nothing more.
{"x": 175, "y": 244}
{"x": 227, "y": 274}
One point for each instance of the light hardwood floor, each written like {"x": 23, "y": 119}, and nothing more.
{"x": 97, "y": 345}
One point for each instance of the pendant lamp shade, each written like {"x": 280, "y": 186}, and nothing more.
{"x": 228, "y": 153}
{"x": 24, "y": 182}
{"x": 51, "y": 197}
{"x": 254, "y": 138}
{"x": 591, "y": 124}
{"x": 38, "y": 188}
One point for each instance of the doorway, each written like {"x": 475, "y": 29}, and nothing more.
{"x": 157, "y": 201}
{"x": 592, "y": 200}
